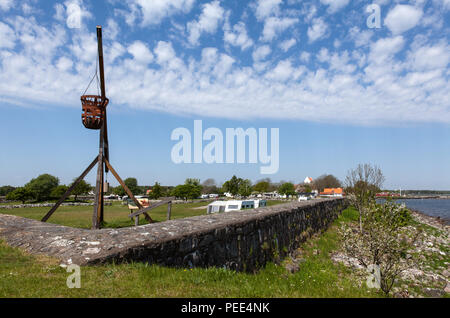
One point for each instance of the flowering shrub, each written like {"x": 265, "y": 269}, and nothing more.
{"x": 384, "y": 242}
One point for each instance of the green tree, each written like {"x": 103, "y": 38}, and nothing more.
{"x": 232, "y": 185}
{"x": 192, "y": 181}
{"x": 190, "y": 190}
{"x": 287, "y": 188}
{"x": 22, "y": 194}
{"x": 119, "y": 191}
{"x": 156, "y": 192}
{"x": 307, "y": 188}
{"x": 42, "y": 186}
{"x": 4, "y": 190}
{"x": 132, "y": 184}
{"x": 245, "y": 188}
{"x": 361, "y": 186}
{"x": 210, "y": 186}
{"x": 81, "y": 188}
{"x": 326, "y": 181}
{"x": 59, "y": 191}
{"x": 261, "y": 186}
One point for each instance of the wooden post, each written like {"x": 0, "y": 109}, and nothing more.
{"x": 98, "y": 215}
{"x": 98, "y": 203}
{"x": 169, "y": 210}
{"x": 103, "y": 92}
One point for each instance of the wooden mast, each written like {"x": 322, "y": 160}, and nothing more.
{"x": 97, "y": 217}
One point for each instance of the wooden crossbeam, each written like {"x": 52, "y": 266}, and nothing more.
{"x": 130, "y": 194}
{"x": 69, "y": 191}
{"x": 153, "y": 206}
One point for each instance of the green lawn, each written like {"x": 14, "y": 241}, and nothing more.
{"x": 23, "y": 275}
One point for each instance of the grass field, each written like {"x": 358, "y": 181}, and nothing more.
{"x": 23, "y": 275}
{"x": 116, "y": 215}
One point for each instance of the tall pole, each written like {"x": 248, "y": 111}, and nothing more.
{"x": 97, "y": 217}
{"x": 103, "y": 91}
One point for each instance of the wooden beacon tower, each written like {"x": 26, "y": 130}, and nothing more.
{"x": 94, "y": 117}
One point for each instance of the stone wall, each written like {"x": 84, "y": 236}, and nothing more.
{"x": 241, "y": 240}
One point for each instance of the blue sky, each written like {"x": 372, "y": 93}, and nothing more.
{"x": 340, "y": 91}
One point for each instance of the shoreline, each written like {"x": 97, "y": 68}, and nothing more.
{"x": 434, "y": 221}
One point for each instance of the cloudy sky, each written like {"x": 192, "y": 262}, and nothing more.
{"x": 343, "y": 84}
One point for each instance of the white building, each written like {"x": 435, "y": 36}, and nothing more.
{"x": 308, "y": 180}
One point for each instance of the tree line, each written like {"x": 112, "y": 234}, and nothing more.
{"x": 48, "y": 187}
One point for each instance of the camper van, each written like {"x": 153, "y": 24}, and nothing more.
{"x": 234, "y": 205}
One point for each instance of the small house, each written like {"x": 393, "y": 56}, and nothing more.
{"x": 332, "y": 192}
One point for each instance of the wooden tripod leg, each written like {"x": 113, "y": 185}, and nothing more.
{"x": 98, "y": 203}
{"x": 130, "y": 194}
{"x": 65, "y": 195}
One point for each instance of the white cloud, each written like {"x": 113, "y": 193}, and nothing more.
{"x": 286, "y": 45}
{"x": 317, "y": 30}
{"x": 64, "y": 64}
{"x": 60, "y": 12}
{"x": 5, "y": 5}
{"x": 323, "y": 55}
{"x": 114, "y": 51}
{"x": 154, "y": 11}
{"x": 308, "y": 11}
{"x": 166, "y": 56}
{"x": 208, "y": 21}
{"x": 281, "y": 72}
{"x": 112, "y": 29}
{"x": 361, "y": 38}
{"x": 446, "y": 4}
{"x": 7, "y": 36}
{"x": 266, "y": 8}
{"x": 305, "y": 56}
{"x": 374, "y": 84}
{"x": 261, "y": 52}
{"x": 164, "y": 52}
{"x": 223, "y": 66}
{"x": 384, "y": 49}
{"x": 335, "y": 5}
{"x": 402, "y": 18}
{"x": 273, "y": 26}
{"x": 237, "y": 36}
{"x": 140, "y": 52}
{"x": 84, "y": 47}
{"x": 430, "y": 57}
{"x": 27, "y": 9}
{"x": 209, "y": 59}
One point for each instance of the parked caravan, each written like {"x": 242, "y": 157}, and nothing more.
{"x": 234, "y": 205}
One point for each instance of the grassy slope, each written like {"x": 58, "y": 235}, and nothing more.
{"x": 22, "y": 275}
